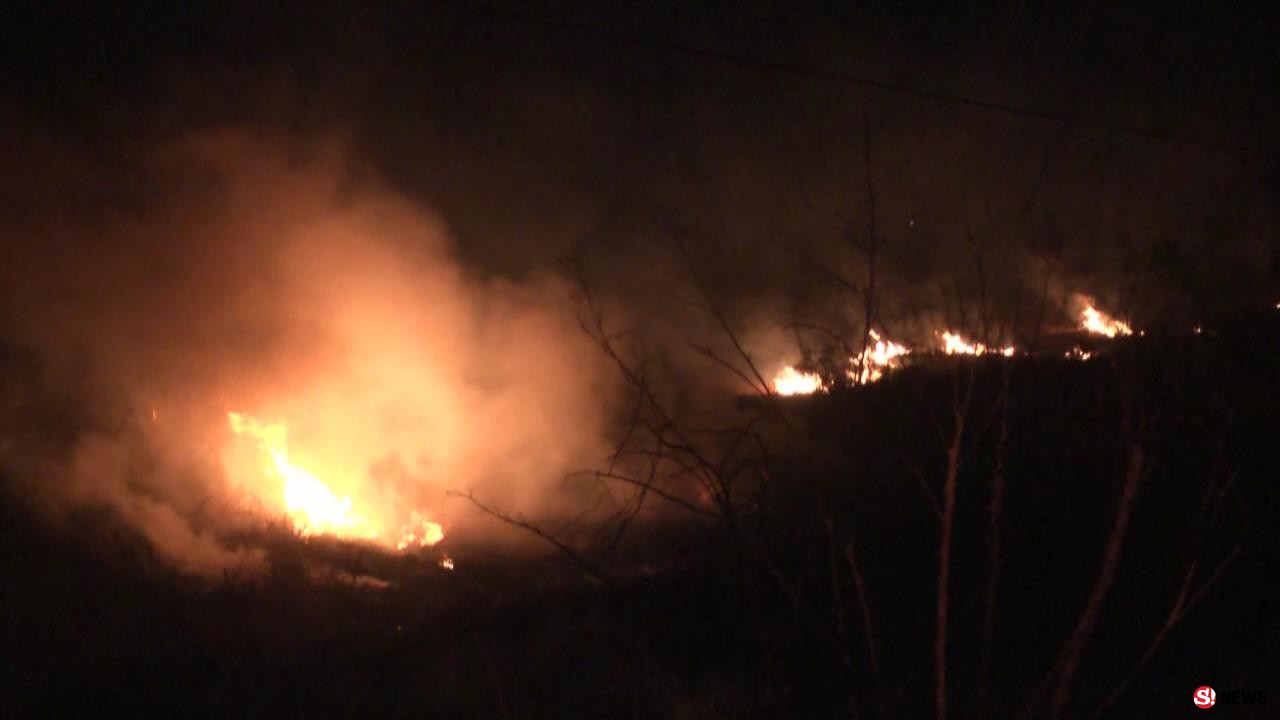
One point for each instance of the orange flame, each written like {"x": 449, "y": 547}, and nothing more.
{"x": 312, "y": 506}
{"x": 1099, "y": 323}
{"x": 877, "y": 358}
{"x": 954, "y": 344}
{"x": 790, "y": 381}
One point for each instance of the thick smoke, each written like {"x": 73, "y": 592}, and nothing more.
{"x": 149, "y": 288}
{"x": 267, "y": 277}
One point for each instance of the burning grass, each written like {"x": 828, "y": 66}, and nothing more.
{"x": 311, "y": 505}
{"x": 688, "y": 623}
{"x": 883, "y": 356}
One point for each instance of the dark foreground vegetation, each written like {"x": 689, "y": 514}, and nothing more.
{"x": 813, "y": 592}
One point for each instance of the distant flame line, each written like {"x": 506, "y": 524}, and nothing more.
{"x": 884, "y": 355}
{"x": 878, "y": 358}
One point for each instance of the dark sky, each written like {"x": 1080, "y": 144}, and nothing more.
{"x": 537, "y": 129}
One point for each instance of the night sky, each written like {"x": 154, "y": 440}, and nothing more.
{"x": 1128, "y": 148}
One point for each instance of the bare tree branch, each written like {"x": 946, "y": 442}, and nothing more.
{"x": 869, "y": 297}
{"x": 868, "y": 627}
{"x": 648, "y": 486}
{"x": 591, "y": 569}
{"x": 712, "y": 355}
{"x": 723, "y": 322}
{"x": 994, "y": 516}
{"x": 1065, "y": 667}
{"x": 960, "y": 411}
{"x": 1182, "y": 605}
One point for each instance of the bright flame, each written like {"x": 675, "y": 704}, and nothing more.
{"x": 876, "y": 359}
{"x": 1099, "y": 323}
{"x": 311, "y": 505}
{"x": 421, "y": 533}
{"x": 790, "y": 381}
{"x": 883, "y": 355}
{"x": 954, "y": 344}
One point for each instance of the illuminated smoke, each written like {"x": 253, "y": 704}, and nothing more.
{"x": 368, "y": 371}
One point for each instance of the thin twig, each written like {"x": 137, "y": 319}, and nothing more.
{"x": 1138, "y": 467}
{"x": 590, "y": 568}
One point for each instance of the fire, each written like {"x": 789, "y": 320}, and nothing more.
{"x": 877, "y": 358}
{"x": 1078, "y": 353}
{"x": 312, "y": 506}
{"x": 882, "y": 355}
{"x": 1099, "y": 323}
{"x": 790, "y": 381}
{"x": 421, "y": 533}
{"x": 954, "y": 344}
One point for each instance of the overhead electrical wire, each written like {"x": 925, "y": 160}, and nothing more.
{"x": 839, "y": 76}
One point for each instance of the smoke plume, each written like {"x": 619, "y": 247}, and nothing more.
{"x": 246, "y": 274}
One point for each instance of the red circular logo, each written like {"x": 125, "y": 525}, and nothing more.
{"x": 1205, "y": 697}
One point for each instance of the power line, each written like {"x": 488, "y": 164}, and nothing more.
{"x": 840, "y": 76}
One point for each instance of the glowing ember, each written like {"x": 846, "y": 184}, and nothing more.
{"x": 1099, "y": 323}
{"x": 790, "y": 381}
{"x": 312, "y": 506}
{"x": 954, "y": 344}
{"x": 446, "y": 562}
{"x": 1078, "y": 353}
